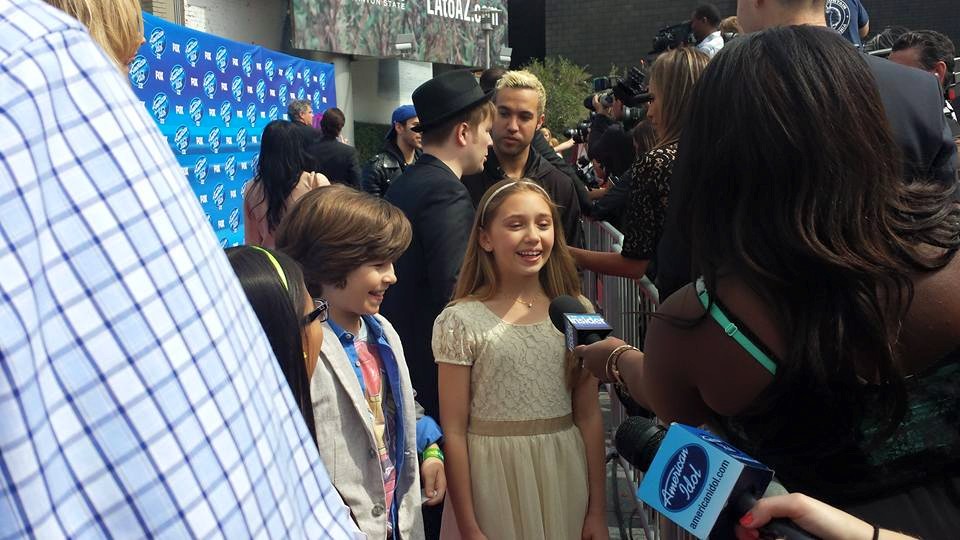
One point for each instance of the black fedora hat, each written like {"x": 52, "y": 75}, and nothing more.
{"x": 445, "y": 95}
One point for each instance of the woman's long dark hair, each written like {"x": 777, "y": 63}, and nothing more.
{"x": 793, "y": 184}
{"x": 280, "y": 310}
{"x": 282, "y": 161}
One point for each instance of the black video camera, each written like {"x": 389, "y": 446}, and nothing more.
{"x": 579, "y": 133}
{"x": 672, "y": 37}
{"x": 632, "y": 90}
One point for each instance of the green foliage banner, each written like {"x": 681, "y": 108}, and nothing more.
{"x": 446, "y": 31}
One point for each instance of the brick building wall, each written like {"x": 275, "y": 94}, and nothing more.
{"x": 601, "y": 33}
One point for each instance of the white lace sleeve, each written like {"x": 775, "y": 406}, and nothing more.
{"x": 453, "y": 342}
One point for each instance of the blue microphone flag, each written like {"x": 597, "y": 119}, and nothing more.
{"x": 693, "y": 476}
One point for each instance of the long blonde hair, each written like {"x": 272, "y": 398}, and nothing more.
{"x": 675, "y": 73}
{"x": 117, "y": 26}
{"x": 478, "y": 276}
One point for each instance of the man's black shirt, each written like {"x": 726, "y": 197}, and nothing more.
{"x": 558, "y": 185}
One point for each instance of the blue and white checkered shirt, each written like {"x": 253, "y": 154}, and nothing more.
{"x": 138, "y": 393}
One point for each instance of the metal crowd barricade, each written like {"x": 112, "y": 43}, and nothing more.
{"x": 626, "y": 304}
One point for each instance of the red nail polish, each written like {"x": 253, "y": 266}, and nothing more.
{"x": 747, "y": 519}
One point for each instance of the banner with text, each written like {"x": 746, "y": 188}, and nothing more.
{"x": 211, "y": 98}
{"x": 445, "y": 31}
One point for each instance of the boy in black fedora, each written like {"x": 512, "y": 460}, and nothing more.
{"x": 455, "y": 120}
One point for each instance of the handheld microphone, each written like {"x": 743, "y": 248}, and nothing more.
{"x": 692, "y": 476}
{"x": 580, "y": 327}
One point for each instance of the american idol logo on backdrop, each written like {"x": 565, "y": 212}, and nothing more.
{"x": 160, "y": 107}
{"x": 212, "y": 126}
{"x": 230, "y": 167}
{"x": 218, "y": 197}
{"x": 242, "y": 139}
{"x": 209, "y": 84}
{"x": 247, "y": 64}
{"x": 181, "y": 139}
{"x": 237, "y": 88}
{"x": 158, "y": 42}
{"x": 226, "y": 113}
{"x": 177, "y": 78}
{"x": 683, "y": 477}
{"x": 200, "y": 170}
{"x": 255, "y": 162}
{"x": 269, "y": 68}
{"x": 195, "y": 110}
{"x": 138, "y": 71}
{"x": 223, "y": 242}
{"x": 192, "y": 51}
{"x": 261, "y": 90}
{"x": 243, "y": 189}
{"x": 221, "y": 59}
{"x": 213, "y": 139}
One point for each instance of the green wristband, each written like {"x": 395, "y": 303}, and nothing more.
{"x": 432, "y": 452}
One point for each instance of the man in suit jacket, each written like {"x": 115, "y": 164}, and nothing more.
{"x": 455, "y": 119}
{"x": 332, "y": 158}
{"x": 912, "y": 100}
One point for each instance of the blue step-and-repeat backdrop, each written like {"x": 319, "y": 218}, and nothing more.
{"x": 211, "y": 98}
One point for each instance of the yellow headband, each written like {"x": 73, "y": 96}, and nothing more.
{"x": 276, "y": 264}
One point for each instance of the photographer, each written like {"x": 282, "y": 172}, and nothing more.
{"x": 612, "y": 154}
{"x": 623, "y": 100}
{"x": 705, "y": 24}
{"x": 671, "y": 83}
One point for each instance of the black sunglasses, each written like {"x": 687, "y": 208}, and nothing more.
{"x": 319, "y": 312}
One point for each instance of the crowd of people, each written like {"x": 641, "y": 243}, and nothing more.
{"x": 378, "y": 360}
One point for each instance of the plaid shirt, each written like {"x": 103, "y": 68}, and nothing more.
{"x": 138, "y": 394}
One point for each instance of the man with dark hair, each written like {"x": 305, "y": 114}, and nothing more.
{"x": 705, "y": 23}
{"x": 331, "y": 157}
{"x": 613, "y": 153}
{"x": 848, "y": 17}
{"x": 490, "y": 77}
{"x": 912, "y": 100}
{"x": 401, "y": 148}
{"x": 455, "y": 117}
{"x": 520, "y": 100}
{"x": 300, "y": 111}
{"x": 932, "y": 52}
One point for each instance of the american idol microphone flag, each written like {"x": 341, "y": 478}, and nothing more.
{"x": 211, "y": 98}
{"x": 693, "y": 476}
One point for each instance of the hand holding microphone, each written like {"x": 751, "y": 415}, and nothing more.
{"x": 585, "y": 333}
{"x": 593, "y": 357}
{"x": 814, "y": 516}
